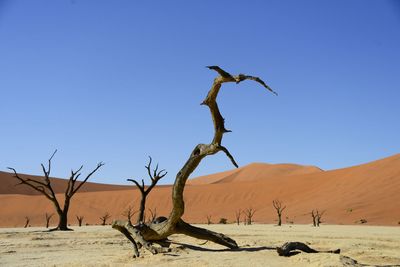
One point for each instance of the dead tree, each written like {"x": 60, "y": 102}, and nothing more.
{"x": 80, "y": 220}
{"x": 314, "y": 218}
{"x": 128, "y": 213}
{"x": 249, "y": 213}
{"x": 48, "y": 217}
{"x": 238, "y": 213}
{"x": 279, "y": 209}
{"x": 155, "y": 176}
{"x": 27, "y": 220}
{"x": 319, "y": 217}
{"x": 209, "y": 219}
{"x": 104, "y": 218}
{"x": 145, "y": 234}
{"x": 44, "y": 187}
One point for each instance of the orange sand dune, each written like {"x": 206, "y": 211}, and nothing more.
{"x": 369, "y": 191}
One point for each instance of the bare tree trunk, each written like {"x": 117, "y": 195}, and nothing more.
{"x": 145, "y": 233}
{"x": 142, "y": 209}
{"x": 62, "y": 222}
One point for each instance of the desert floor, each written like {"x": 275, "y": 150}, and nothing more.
{"x": 103, "y": 246}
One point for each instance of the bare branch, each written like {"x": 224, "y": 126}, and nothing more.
{"x": 49, "y": 162}
{"x": 148, "y": 167}
{"x": 136, "y": 183}
{"x": 229, "y": 155}
{"x": 77, "y": 173}
{"x": 39, "y": 186}
{"x": 242, "y": 77}
{"x": 87, "y": 177}
{"x": 220, "y": 71}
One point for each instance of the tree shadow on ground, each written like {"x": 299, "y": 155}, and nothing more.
{"x": 247, "y": 249}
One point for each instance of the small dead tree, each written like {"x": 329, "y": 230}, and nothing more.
{"x": 319, "y": 217}
{"x": 145, "y": 234}
{"x": 238, "y": 213}
{"x": 45, "y": 188}
{"x": 155, "y": 176}
{"x": 128, "y": 213}
{"x": 279, "y": 209}
{"x": 104, "y": 218}
{"x": 249, "y": 213}
{"x": 27, "y": 220}
{"x": 209, "y": 219}
{"x": 314, "y": 218}
{"x": 48, "y": 217}
{"x": 80, "y": 220}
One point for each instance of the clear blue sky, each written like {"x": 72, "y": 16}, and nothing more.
{"x": 116, "y": 81}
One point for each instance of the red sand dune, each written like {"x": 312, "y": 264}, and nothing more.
{"x": 369, "y": 191}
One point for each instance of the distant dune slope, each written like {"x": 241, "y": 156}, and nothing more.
{"x": 369, "y": 191}
{"x": 255, "y": 172}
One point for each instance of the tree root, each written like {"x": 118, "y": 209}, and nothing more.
{"x": 146, "y": 234}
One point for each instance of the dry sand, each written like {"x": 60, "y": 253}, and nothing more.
{"x": 103, "y": 246}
